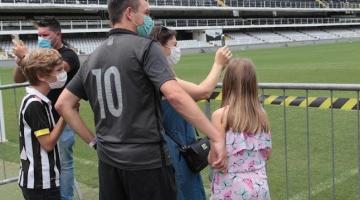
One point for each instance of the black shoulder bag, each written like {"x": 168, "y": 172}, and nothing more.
{"x": 195, "y": 154}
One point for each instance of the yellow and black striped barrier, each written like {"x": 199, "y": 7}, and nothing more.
{"x": 313, "y": 102}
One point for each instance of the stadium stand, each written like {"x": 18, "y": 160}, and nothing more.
{"x": 212, "y": 3}
{"x": 85, "y": 45}
{"x": 288, "y": 21}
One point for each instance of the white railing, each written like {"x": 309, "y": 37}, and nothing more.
{"x": 206, "y": 3}
{"x": 193, "y": 23}
{"x": 237, "y": 22}
{"x": 65, "y": 24}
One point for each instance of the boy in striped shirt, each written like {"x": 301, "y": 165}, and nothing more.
{"x": 39, "y": 155}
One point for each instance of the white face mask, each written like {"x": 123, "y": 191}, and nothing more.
{"x": 174, "y": 56}
{"x": 60, "y": 81}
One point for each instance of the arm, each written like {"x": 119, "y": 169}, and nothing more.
{"x": 66, "y": 66}
{"x": 186, "y": 106}
{"x": 207, "y": 86}
{"x": 267, "y": 152}
{"x": 66, "y": 106}
{"x": 48, "y": 141}
{"x": 20, "y": 51}
{"x": 216, "y": 120}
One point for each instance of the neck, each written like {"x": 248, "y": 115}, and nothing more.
{"x": 42, "y": 88}
{"x": 128, "y": 26}
{"x": 58, "y": 45}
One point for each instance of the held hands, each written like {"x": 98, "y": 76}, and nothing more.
{"x": 217, "y": 156}
{"x": 222, "y": 56}
{"x": 19, "y": 49}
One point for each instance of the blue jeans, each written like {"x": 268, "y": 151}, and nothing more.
{"x": 189, "y": 184}
{"x": 66, "y": 143}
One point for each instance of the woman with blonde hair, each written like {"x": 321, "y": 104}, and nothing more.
{"x": 244, "y": 123}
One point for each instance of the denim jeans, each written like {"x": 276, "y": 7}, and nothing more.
{"x": 189, "y": 184}
{"x": 66, "y": 143}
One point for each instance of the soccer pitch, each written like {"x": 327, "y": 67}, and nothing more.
{"x": 327, "y": 63}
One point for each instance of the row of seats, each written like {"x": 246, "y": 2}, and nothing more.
{"x": 85, "y": 45}
{"x": 232, "y": 3}
{"x": 101, "y": 2}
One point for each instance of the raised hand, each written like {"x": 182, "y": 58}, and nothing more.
{"x": 19, "y": 49}
{"x": 222, "y": 56}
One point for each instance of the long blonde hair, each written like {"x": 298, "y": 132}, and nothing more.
{"x": 239, "y": 93}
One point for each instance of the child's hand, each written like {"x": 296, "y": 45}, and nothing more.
{"x": 222, "y": 56}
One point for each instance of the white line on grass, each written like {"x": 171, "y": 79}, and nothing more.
{"x": 325, "y": 185}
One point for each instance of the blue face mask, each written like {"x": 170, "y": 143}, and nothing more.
{"x": 145, "y": 29}
{"x": 44, "y": 43}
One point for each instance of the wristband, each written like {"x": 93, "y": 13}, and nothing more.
{"x": 92, "y": 143}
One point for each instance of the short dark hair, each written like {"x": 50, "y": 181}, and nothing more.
{"x": 162, "y": 34}
{"x": 50, "y": 22}
{"x": 116, "y": 8}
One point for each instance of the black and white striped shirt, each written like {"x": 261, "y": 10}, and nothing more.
{"x": 39, "y": 169}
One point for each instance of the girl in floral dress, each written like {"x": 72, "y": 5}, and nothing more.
{"x": 248, "y": 140}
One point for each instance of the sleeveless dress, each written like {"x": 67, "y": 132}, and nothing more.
{"x": 246, "y": 177}
{"x": 188, "y": 183}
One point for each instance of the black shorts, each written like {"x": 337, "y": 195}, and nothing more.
{"x": 150, "y": 184}
{"x": 41, "y": 194}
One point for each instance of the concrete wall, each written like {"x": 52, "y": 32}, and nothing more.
{"x": 11, "y": 62}
{"x": 270, "y": 45}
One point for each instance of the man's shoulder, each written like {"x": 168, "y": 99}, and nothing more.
{"x": 133, "y": 39}
{"x": 67, "y": 51}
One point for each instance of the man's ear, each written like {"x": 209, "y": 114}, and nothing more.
{"x": 127, "y": 13}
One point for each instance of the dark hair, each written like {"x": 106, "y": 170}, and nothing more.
{"x": 50, "y": 22}
{"x": 162, "y": 34}
{"x": 116, "y": 8}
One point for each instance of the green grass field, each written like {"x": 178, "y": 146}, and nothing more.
{"x": 330, "y": 63}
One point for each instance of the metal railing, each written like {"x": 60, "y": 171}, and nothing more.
{"x": 15, "y": 25}
{"x": 206, "y": 3}
{"x": 305, "y": 126}
{"x": 236, "y": 3}
{"x": 285, "y": 122}
{"x": 257, "y": 22}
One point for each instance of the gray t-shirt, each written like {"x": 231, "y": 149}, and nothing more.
{"x": 122, "y": 80}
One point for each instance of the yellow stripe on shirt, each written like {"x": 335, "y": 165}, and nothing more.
{"x": 42, "y": 132}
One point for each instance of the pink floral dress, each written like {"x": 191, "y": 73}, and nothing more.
{"x": 246, "y": 176}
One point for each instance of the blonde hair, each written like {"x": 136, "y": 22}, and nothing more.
{"x": 239, "y": 93}
{"x": 40, "y": 61}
